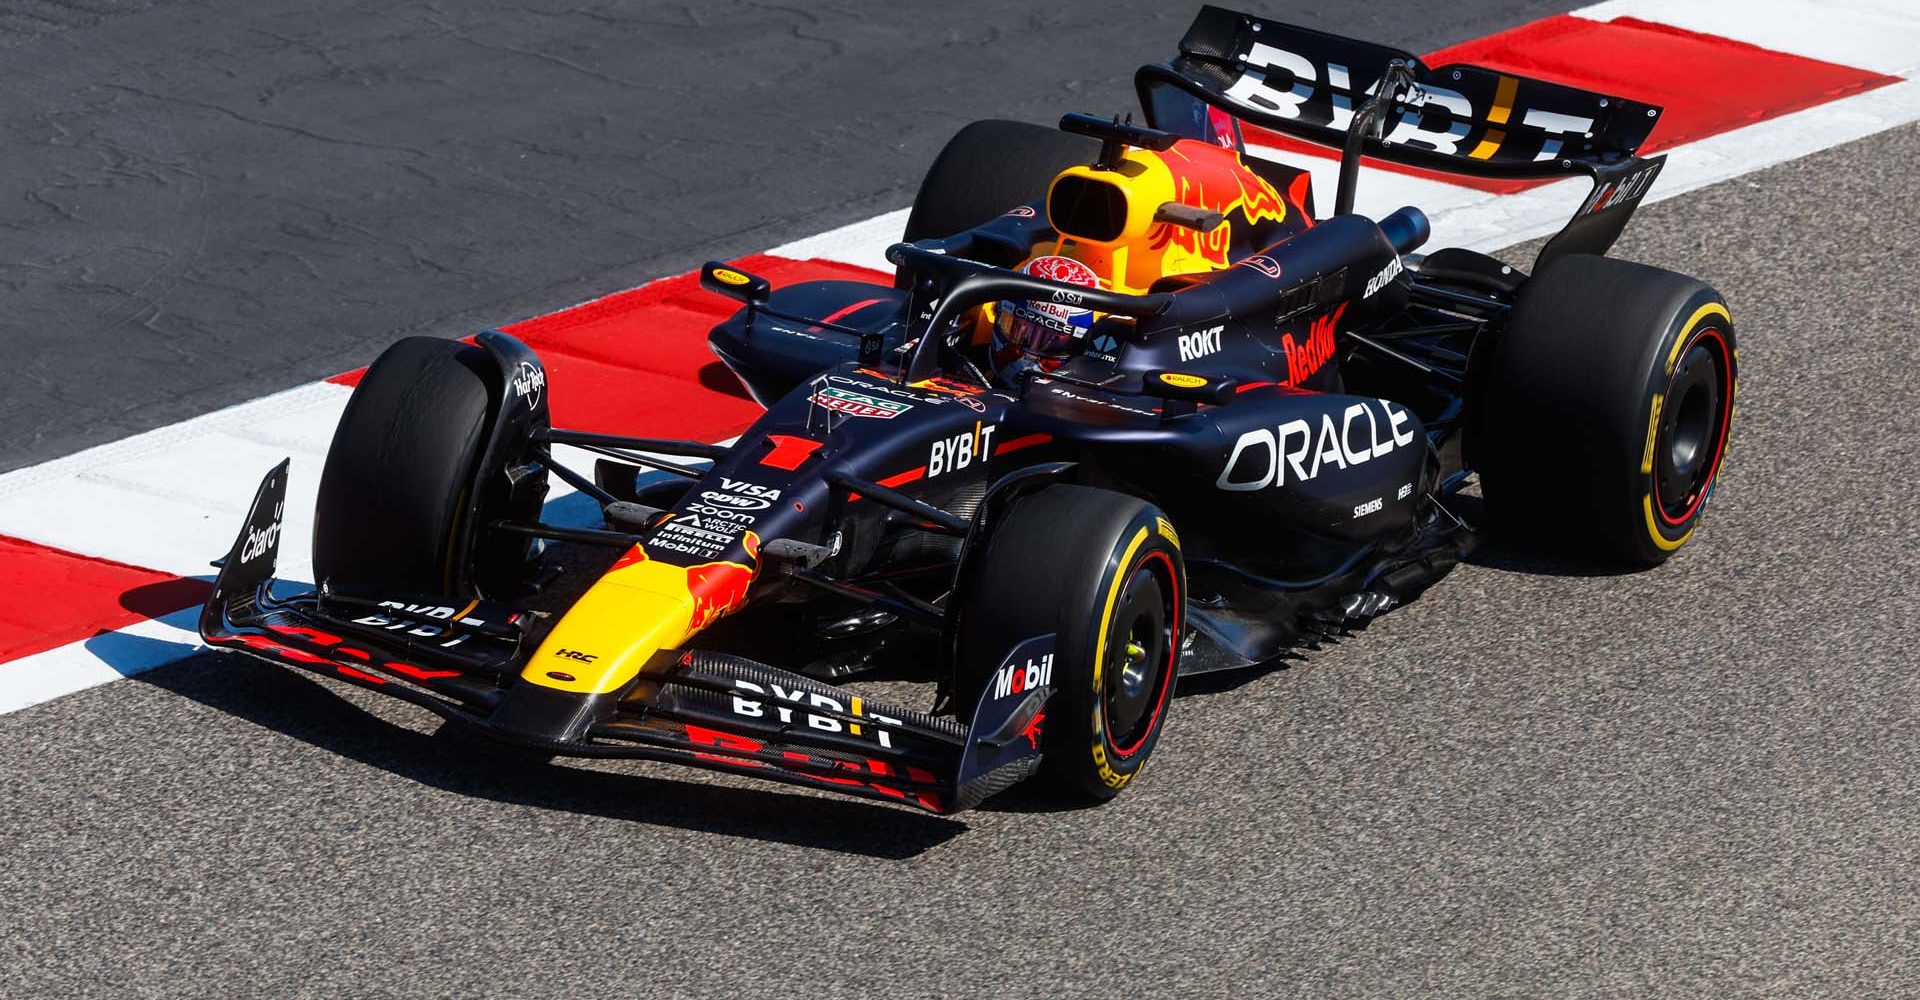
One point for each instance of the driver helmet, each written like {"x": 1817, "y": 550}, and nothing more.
{"x": 1044, "y": 334}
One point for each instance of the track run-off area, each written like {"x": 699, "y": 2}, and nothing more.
{"x": 1535, "y": 780}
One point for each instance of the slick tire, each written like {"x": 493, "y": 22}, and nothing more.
{"x": 1605, "y": 409}
{"x": 1102, "y": 571}
{"x": 393, "y": 496}
{"x": 988, "y": 168}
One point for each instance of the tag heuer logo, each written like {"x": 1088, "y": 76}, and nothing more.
{"x": 858, "y": 405}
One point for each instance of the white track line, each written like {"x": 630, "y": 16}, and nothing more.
{"x": 170, "y": 499}
{"x": 87, "y": 663}
{"x": 863, "y": 243}
{"x": 1878, "y": 35}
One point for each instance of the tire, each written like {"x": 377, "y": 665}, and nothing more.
{"x": 393, "y": 495}
{"x": 1103, "y": 572}
{"x": 988, "y": 168}
{"x": 1605, "y": 408}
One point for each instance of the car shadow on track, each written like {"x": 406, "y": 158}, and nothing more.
{"x": 1495, "y": 550}
{"x": 454, "y": 760}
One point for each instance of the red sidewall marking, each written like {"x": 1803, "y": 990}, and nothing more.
{"x": 1173, "y": 650}
{"x": 1726, "y": 422}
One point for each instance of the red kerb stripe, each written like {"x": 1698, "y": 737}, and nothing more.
{"x": 637, "y": 362}
{"x": 50, "y": 597}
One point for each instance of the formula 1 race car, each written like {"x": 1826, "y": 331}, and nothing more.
{"x": 1130, "y": 411}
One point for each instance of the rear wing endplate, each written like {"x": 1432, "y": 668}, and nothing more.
{"x": 1456, "y": 118}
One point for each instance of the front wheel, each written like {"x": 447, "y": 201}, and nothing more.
{"x": 396, "y": 509}
{"x": 1102, "y": 572}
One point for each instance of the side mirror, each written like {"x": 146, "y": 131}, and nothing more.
{"x": 734, "y": 283}
{"x": 1199, "y": 220}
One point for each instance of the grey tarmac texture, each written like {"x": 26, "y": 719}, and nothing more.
{"x": 1535, "y": 781}
{"x": 204, "y": 201}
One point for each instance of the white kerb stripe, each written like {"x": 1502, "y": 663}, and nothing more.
{"x": 1878, "y": 35}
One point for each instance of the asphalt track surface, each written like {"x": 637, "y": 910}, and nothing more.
{"x": 1537, "y": 780}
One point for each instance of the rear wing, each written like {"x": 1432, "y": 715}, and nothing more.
{"x": 1458, "y": 118}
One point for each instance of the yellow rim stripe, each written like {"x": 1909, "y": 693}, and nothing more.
{"x": 1673, "y": 356}
{"x": 1106, "y": 616}
{"x": 1653, "y": 427}
{"x": 1653, "y": 530}
{"x": 1107, "y": 774}
{"x": 1653, "y": 423}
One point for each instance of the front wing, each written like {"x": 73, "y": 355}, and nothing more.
{"x": 701, "y": 708}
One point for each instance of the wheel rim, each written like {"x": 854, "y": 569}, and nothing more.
{"x": 1693, "y": 427}
{"x": 1139, "y": 667}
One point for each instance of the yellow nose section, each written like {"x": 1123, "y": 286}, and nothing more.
{"x": 637, "y": 609}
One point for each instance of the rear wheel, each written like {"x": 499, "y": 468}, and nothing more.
{"x": 1102, "y": 572}
{"x": 988, "y": 168}
{"x": 394, "y": 496}
{"x": 1606, "y": 408}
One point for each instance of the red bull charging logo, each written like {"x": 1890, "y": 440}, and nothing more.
{"x": 1213, "y": 178}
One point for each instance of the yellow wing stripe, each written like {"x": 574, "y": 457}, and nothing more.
{"x": 1503, "y": 96}
{"x": 1490, "y": 145}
